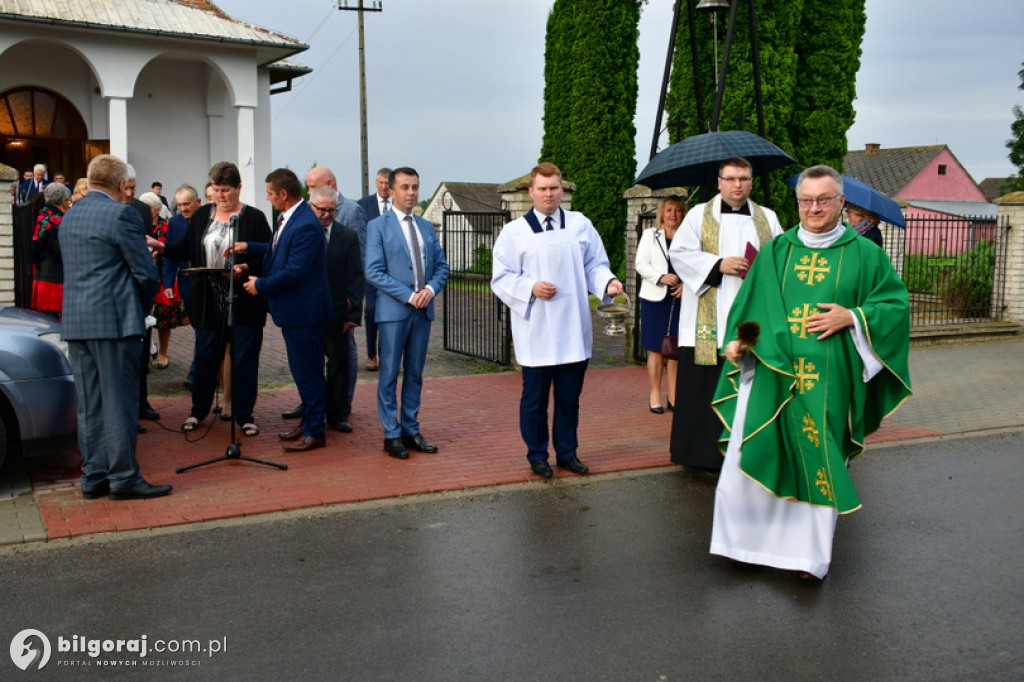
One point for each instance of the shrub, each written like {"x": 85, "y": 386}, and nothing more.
{"x": 967, "y": 288}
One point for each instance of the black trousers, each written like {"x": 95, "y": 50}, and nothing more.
{"x": 336, "y": 348}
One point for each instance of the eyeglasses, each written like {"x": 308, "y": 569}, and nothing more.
{"x": 824, "y": 202}
{"x": 325, "y": 211}
{"x": 742, "y": 179}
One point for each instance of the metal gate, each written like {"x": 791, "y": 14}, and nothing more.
{"x": 476, "y": 322}
{"x": 643, "y": 221}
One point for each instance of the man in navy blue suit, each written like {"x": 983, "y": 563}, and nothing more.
{"x": 374, "y": 206}
{"x": 295, "y": 285}
{"x": 405, "y": 263}
{"x": 34, "y": 185}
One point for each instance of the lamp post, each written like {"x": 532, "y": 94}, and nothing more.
{"x": 360, "y": 7}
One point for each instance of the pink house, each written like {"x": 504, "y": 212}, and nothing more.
{"x": 946, "y": 212}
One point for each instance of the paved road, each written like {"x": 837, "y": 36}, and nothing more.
{"x": 583, "y": 579}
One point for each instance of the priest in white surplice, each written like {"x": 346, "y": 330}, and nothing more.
{"x": 711, "y": 253}
{"x": 545, "y": 263}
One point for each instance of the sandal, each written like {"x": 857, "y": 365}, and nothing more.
{"x": 250, "y": 429}
{"x": 190, "y": 424}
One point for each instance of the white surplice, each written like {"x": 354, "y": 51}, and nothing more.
{"x": 751, "y": 524}
{"x": 693, "y": 264}
{"x": 558, "y": 330}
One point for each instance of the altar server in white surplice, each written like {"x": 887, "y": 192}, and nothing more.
{"x": 545, "y": 263}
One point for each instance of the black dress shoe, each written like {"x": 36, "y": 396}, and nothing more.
{"x": 657, "y": 409}
{"x": 394, "y": 448}
{"x": 140, "y": 491}
{"x": 294, "y": 414}
{"x": 341, "y": 425}
{"x": 416, "y": 442}
{"x": 150, "y": 414}
{"x": 305, "y": 444}
{"x": 294, "y": 434}
{"x": 97, "y": 491}
{"x": 574, "y": 465}
{"x": 542, "y": 468}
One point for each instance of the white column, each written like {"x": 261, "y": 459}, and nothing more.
{"x": 118, "y": 126}
{"x": 247, "y": 153}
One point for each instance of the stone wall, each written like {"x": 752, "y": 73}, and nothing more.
{"x": 8, "y": 178}
{"x": 516, "y": 197}
{"x": 1011, "y": 209}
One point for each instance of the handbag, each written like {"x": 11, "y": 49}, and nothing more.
{"x": 670, "y": 343}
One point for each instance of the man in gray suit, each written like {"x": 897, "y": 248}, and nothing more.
{"x": 108, "y": 277}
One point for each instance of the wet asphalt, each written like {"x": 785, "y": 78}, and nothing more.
{"x": 599, "y": 578}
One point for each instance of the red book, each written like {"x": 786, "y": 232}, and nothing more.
{"x": 750, "y": 254}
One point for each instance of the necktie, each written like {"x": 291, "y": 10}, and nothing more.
{"x": 417, "y": 257}
{"x": 548, "y": 224}
{"x": 383, "y": 206}
{"x": 277, "y": 232}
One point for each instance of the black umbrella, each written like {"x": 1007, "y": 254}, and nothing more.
{"x": 695, "y": 160}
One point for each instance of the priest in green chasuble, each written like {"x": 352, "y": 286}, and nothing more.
{"x": 821, "y": 330}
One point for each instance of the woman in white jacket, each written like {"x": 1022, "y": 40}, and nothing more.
{"x": 660, "y": 289}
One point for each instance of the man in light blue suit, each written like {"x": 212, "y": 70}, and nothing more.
{"x": 406, "y": 264}
{"x": 294, "y": 282}
{"x": 109, "y": 282}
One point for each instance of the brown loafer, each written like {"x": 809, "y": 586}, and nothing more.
{"x": 294, "y": 434}
{"x": 307, "y": 443}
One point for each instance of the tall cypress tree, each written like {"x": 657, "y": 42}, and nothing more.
{"x": 829, "y": 57}
{"x": 590, "y": 103}
{"x": 558, "y": 74}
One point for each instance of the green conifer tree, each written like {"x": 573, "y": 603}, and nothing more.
{"x": 591, "y": 61}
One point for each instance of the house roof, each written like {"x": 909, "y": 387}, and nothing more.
{"x": 961, "y": 209}
{"x": 189, "y": 19}
{"x": 889, "y": 170}
{"x": 992, "y": 188}
{"x": 473, "y": 196}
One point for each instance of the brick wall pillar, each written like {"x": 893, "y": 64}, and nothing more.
{"x": 1011, "y": 210}
{"x": 8, "y": 180}
{"x": 516, "y": 197}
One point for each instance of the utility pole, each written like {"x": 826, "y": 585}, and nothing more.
{"x": 360, "y": 7}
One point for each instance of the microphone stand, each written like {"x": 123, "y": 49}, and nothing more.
{"x": 234, "y": 450}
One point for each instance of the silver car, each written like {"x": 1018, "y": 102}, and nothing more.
{"x": 37, "y": 392}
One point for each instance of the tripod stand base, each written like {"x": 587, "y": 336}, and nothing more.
{"x": 234, "y": 451}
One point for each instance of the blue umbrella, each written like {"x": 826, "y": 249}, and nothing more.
{"x": 866, "y": 196}
{"x": 695, "y": 160}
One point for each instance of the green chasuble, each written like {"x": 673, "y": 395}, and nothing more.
{"x": 809, "y": 408}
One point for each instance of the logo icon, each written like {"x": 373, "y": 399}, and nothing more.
{"x": 30, "y": 649}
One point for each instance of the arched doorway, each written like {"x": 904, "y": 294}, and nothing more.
{"x": 38, "y": 125}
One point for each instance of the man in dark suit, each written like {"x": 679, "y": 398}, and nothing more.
{"x": 108, "y": 276}
{"x": 349, "y": 214}
{"x": 406, "y": 264}
{"x": 345, "y": 276}
{"x": 34, "y": 185}
{"x": 128, "y": 197}
{"x": 374, "y": 206}
{"x": 294, "y": 282}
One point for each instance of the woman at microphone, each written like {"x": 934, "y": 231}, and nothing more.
{"x": 209, "y": 232}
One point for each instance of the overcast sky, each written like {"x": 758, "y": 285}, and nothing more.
{"x": 455, "y": 87}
